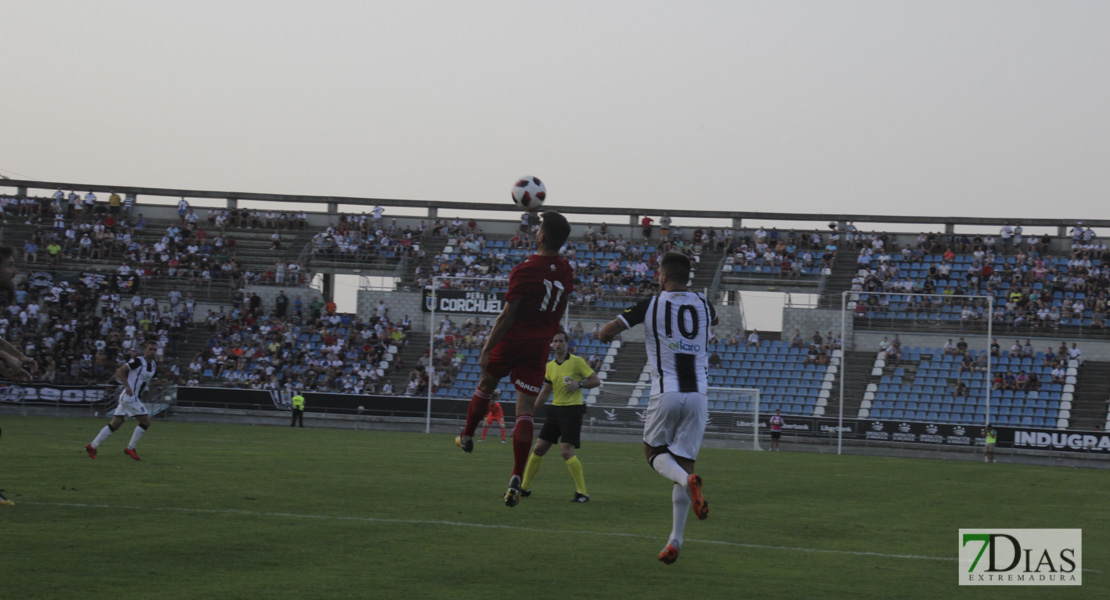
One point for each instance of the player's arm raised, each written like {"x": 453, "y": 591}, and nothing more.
{"x": 498, "y": 331}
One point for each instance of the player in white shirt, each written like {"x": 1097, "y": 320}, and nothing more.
{"x": 135, "y": 375}
{"x": 677, "y": 324}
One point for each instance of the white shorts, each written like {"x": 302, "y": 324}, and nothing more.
{"x": 129, "y": 406}
{"x": 677, "y": 420}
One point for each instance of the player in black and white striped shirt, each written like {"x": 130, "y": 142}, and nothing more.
{"x": 135, "y": 375}
{"x": 676, "y": 332}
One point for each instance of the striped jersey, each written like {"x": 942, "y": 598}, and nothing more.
{"x": 677, "y": 326}
{"x": 142, "y": 371}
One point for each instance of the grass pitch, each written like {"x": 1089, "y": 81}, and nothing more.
{"x": 232, "y": 511}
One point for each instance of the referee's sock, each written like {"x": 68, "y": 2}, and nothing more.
{"x": 665, "y": 464}
{"x": 100, "y": 437}
{"x": 535, "y": 461}
{"x": 575, "y": 468}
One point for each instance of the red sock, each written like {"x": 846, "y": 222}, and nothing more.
{"x": 479, "y": 406}
{"x": 522, "y": 443}
{"x": 484, "y": 430}
{"x": 502, "y": 434}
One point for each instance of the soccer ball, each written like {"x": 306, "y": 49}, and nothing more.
{"x": 529, "y": 193}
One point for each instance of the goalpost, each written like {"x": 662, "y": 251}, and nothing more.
{"x": 433, "y": 328}
{"x": 734, "y": 412}
{"x": 925, "y": 372}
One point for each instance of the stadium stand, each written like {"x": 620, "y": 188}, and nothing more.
{"x": 929, "y": 384}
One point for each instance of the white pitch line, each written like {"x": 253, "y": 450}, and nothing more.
{"x": 252, "y": 513}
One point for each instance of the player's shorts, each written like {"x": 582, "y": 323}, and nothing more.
{"x": 563, "y": 423}
{"x": 130, "y": 406}
{"x": 677, "y": 420}
{"x": 524, "y": 360}
{"x": 776, "y": 434}
{"x": 490, "y": 419}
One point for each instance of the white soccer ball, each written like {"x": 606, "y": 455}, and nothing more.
{"x": 529, "y": 193}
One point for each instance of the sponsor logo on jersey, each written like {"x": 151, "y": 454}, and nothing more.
{"x": 683, "y": 346}
{"x": 525, "y": 386}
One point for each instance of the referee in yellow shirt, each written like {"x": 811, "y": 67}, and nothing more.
{"x": 565, "y": 379}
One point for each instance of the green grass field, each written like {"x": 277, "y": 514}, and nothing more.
{"x": 231, "y": 511}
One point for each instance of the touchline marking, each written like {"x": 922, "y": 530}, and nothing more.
{"x": 252, "y": 513}
{"x": 479, "y": 525}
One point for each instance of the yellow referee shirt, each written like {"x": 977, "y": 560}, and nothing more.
{"x": 574, "y": 367}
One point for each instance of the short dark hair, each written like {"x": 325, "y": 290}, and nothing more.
{"x": 555, "y": 230}
{"x": 677, "y": 267}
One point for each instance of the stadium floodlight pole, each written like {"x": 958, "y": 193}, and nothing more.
{"x": 843, "y": 368}
{"x": 430, "y": 369}
{"x": 990, "y": 338}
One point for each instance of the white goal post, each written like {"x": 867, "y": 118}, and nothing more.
{"x": 732, "y": 411}
{"x": 930, "y": 319}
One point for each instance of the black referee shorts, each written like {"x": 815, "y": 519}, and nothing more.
{"x": 563, "y": 422}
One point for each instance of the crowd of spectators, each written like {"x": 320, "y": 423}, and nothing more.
{"x": 78, "y": 332}
{"x": 1031, "y": 287}
{"x": 301, "y": 347}
{"x": 366, "y": 238}
{"x": 790, "y": 253}
{"x": 80, "y": 231}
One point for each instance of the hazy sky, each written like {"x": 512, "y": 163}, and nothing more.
{"x": 931, "y": 107}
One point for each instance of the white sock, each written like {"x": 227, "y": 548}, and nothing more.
{"x": 136, "y": 436}
{"x": 668, "y": 467}
{"x": 100, "y": 437}
{"x": 680, "y": 505}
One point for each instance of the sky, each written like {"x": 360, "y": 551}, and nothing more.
{"x": 968, "y": 108}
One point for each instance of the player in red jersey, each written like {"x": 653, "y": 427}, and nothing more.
{"x": 496, "y": 415}
{"x": 520, "y": 339}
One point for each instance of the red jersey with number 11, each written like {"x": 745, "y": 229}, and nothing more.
{"x": 542, "y": 284}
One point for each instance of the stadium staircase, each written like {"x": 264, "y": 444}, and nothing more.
{"x": 840, "y": 280}
{"x": 856, "y": 364}
{"x": 706, "y": 271}
{"x": 626, "y": 368}
{"x": 1088, "y": 408}
{"x": 432, "y": 246}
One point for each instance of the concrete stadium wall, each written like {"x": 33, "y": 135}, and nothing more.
{"x": 808, "y": 320}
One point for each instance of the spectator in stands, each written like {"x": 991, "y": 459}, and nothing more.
{"x": 1033, "y": 383}
{"x": 996, "y": 349}
{"x": 813, "y": 355}
{"x": 960, "y": 391}
{"x": 734, "y": 338}
{"x": 998, "y": 381}
{"x": 753, "y": 338}
{"x": 961, "y": 347}
{"x": 796, "y": 341}
{"x": 1074, "y": 353}
{"x": 884, "y": 346}
{"x": 967, "y": 364}
{"x": 950, "y": 348}
{"x": 645, "y": 223}
{"x": 1027, "y": 350}
{"x": 1021, "y": 382}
